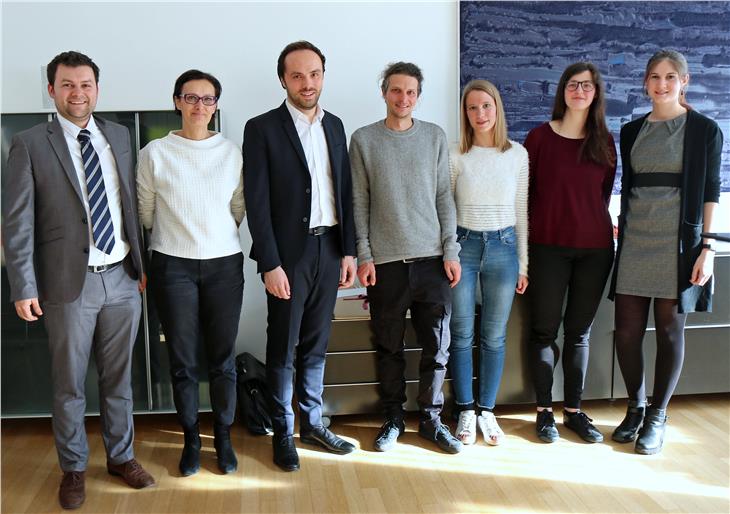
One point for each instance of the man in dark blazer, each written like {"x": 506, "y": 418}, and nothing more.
{"x": 299, "y": 196}
{"x": 73, "y": 255}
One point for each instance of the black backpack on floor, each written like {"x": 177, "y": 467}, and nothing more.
{"x": 253, "y": 394}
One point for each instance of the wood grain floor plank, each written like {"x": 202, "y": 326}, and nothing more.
{"x": 692, "y": 474}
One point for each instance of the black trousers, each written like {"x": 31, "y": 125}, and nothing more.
{"x": 200, "y": 300}
{"x": 298, "y": 333}
{"x": 579, "y": 273}
{"x": 423, "y": 288}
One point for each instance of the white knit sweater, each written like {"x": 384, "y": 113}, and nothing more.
{"x": 490, "y": 191}
{"x": 190, "y": 193}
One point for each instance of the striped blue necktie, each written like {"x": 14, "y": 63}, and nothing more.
{"x": 101, "y": 219}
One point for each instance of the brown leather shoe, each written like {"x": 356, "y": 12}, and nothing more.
{"x": 72, "y": 493}
{"x": 132, "y": 473}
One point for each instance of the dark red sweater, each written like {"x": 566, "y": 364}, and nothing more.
{"x": 568, "y": 199}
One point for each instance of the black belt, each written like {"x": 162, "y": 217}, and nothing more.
{"x": 657, "y": 180}
{"x": 103, "y": 267}
{"x": 421, "y": 259}
{"x": 320, "y": 231}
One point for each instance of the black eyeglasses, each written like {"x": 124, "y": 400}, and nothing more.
{"x": 586, "y": 85}
{"x": 193, "y": 99}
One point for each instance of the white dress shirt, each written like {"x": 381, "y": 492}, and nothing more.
{"x": 111, "y": 185}
{"x": 314, "y": 143}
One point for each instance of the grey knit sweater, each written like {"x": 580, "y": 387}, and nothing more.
{"x": 402, "y": 197}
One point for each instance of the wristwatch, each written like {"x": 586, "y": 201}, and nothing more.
{"x": 707, "y": 246}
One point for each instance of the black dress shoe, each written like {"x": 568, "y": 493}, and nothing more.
{"x": 285, "y": 453}
{"x": 323, "y": 437}
{"x": 651, "y": 435}
{"x": 629, "y": 427}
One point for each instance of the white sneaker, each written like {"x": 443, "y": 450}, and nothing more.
{"x": 493, "y": 435}
{"x": 466, "y": 429}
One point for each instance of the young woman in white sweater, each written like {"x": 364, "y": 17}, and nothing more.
{"x": 489, "y": 178}
{"x": 190, "y": 194}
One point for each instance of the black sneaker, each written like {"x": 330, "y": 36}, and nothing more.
{"x": 389, "y": 433}
{"x": 547, "y": 432}
{"x": 581, "y": 424}
{"x": 441, "y": 436}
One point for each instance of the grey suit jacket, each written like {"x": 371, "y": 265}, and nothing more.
{"x": 45, "y": 230}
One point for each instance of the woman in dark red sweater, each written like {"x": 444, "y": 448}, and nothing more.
{"x": 572, "y": 167}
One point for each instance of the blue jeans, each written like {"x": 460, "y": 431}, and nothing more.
{"x": 491, "y": 257}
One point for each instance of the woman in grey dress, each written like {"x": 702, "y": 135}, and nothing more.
{"x": 670, "y": 189}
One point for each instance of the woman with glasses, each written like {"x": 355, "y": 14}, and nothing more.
{"x": 190, "y": 193}
{"x": 670, "y": 188}
{"x": 572, "y": 167}
{"x": 489, "y": 179}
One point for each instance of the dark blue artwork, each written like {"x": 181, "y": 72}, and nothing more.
{"x": 523, "y": 47}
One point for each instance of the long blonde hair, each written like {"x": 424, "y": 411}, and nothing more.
{"x": 501, "y": 142}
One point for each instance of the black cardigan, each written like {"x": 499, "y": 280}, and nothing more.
{"x": 700, "y": 184}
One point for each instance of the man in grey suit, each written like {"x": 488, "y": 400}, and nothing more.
{"x": 73, "y": 255}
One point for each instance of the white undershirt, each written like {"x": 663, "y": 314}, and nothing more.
{"x": 111, "y": 185}
{"x": 314, "y": 143}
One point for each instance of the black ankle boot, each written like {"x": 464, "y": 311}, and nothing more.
{"x": 651, "y": 435}
{"x": 190, "y": 459}
{"x": 227, "y": 461}
{"x": 629, "y": 427}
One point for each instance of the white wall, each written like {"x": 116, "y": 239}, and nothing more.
{"x": 141, "y": 48}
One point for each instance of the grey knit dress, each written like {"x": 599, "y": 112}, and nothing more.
{"x": 648, "y": 264}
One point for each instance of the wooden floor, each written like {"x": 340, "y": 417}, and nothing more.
{"x": 692, "y": 474}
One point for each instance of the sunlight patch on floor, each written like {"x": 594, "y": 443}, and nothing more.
{"x": 597, "y": 464}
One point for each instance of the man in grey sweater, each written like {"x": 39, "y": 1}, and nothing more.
{"x": 408, "y": 256}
